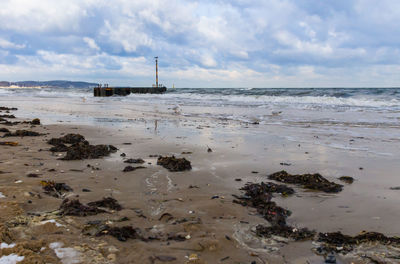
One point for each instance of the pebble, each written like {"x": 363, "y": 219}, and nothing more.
{"x": 112, "y": 257}
{"x": 113, "y": 249}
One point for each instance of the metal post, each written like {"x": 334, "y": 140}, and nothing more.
{"x": 156, "y": 71}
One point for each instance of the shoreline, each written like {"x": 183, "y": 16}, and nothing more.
{"x": 148, "y": 194}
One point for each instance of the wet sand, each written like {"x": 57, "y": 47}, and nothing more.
{"x": 163, "y": 203}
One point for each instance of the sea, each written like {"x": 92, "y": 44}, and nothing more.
{"x": 369, "y": 113}
{"x": 357, "y": 106}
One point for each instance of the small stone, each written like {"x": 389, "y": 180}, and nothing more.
{"x": 112, "y": 257}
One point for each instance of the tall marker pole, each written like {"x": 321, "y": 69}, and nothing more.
{"x": 156, "y": 71}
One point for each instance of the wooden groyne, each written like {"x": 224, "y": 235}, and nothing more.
{"x": 123, "y": 91}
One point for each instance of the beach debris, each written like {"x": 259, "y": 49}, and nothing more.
{"x": 55, "y": 189}
{"x": 139, "y": 160}
{"x": 3, "y": 129}
{"x": 9, "y": 143}
{"x": 209, "y": 149}
{"x": 285, "y": 231}
{"x": 397, "y": 188}
{"x": 86, "y": 190}
{"x": 186, "y": 152}
{"x": 75, "y": 208}
{"x": 131, "y": 168}
{"x": 83, "y": 150}
{"x": 174, "y": 164}
{"x": 22, "y": 133}
{"x": 308, "y": 181}
{"x": 123, "y": 155}
{"x": 347, "y": 179}
{"x": 238, "y": 179}
{"x": 285, "y": 164}
{"x": 35, "y": 121}
{"x": 107, "y": 202}
{"x": 338, "y": 242}
{"x": 7, "y": 116}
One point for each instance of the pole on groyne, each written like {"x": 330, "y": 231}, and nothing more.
{"x": 156, "y": 71}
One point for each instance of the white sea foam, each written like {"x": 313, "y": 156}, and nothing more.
{"x": 66, "y": 255}
{"x": 51, "y": 221}
{"x": 5, "y": 245}
{"x": 11, "y": 259}
{"x": 304, "y": 100}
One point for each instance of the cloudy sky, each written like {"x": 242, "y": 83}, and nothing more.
{"x": 220, "y": 43}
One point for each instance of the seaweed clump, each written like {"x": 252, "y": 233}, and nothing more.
{"x": 75, "y": 208}
{"x": 35, "y": 121}
{"x": 83, "y": 150}
{"x": 347, "y": 179}
{"x": 99, "y": 228}
{"x": 7, "y": 116}
{"x": 5, "y": 108}
{"x": 67, "y": 139}
{"x": 55, "y": 189}
{"x": 309, "y": 181}
{"x": 107, "y": 202}
{"x": 259, "y": 196}
{"x": 139, "y": 160}
{"x": 285, "y": 231}
{"x": 174, "y": 164}
{"x": 22, "y": 133}
{"x": 338, "y": 242}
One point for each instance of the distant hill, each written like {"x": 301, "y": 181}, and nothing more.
{"x": 57, "y": 83}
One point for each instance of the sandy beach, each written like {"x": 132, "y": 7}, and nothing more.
{"x": 188, "y": 216}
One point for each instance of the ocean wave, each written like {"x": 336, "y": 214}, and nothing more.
{"x": 251, "y": 100}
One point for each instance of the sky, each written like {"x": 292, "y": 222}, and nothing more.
{"x": 220, "y": 43}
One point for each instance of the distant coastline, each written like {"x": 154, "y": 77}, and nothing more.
{"x": 46, "y": 84}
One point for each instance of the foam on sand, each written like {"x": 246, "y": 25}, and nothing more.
{"x": 5, "y": 245}
{"x": 11, "y": 259}
{"x": 66, "y": 255}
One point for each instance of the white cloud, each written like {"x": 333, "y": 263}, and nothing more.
{"x": 226, "y": 43}
{"x": 5, "y": 44}
{"x": 91, "y": 43}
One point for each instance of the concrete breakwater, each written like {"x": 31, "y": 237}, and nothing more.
{"x": 123, "y": 91}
